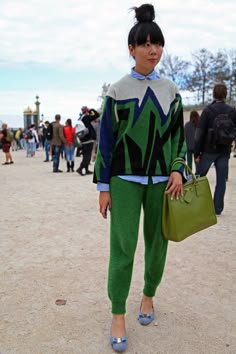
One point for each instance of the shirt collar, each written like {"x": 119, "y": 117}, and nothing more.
{"x": 152, "y": 76}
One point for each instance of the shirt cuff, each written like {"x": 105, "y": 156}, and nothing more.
{"x": 103, "y": 187}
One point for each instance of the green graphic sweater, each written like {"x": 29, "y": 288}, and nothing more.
{"x": 142, "y": 130}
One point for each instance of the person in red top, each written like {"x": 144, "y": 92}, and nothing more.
{"x": 69, "y": 148}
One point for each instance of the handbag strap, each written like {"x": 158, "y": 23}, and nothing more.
{"x": 186, "y": 167}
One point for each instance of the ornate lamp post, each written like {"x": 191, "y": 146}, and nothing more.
{"x": 36, "y": 113}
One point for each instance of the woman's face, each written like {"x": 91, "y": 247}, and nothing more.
{"x": 146, "y": 55}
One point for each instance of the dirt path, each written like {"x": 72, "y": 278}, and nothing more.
{"x": 54, "y": 245}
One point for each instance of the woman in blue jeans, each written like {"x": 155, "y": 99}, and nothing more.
{"x": 69, "y": 148}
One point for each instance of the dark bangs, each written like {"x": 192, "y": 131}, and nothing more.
{"x": 139, "y": 33}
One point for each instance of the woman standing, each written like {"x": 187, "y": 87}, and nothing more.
{"x": 189, "y": 129}
{"x": 141, "y": 135}
{"x": 32, "y": 140}
{"x": 69, "y": 148}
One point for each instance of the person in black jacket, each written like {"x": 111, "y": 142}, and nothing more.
{"x": 88, "y": 116}
{"x": 189, "y": 131}
{"x": 46, "y": 144}
{"x": 207, "y": 151}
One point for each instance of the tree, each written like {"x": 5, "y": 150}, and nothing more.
{"x": 232, "y": 75}
{"x": 220, "y": 67}
{"x": 105, "y": 89}
{"x": 175, "y": 69}
{"x": 201, "y": 80}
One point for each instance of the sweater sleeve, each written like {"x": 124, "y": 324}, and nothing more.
{"x": 178, "y": 144}
{"x": 107, "y": 140}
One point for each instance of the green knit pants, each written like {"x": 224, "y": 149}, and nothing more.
{"x": 127, "y": 201}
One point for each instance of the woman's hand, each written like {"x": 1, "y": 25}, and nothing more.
{"x": 104, "y": 203}
{"x": 175, "y": 185}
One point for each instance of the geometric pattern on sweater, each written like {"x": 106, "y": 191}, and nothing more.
{"x": 139, "y": 140}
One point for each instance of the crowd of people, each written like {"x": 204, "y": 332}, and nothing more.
{"x": 57, "y": 140}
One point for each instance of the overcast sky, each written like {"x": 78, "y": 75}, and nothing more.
{"x": 64, "y": 50}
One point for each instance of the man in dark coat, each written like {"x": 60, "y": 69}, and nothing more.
{"x": 207, "y": 151}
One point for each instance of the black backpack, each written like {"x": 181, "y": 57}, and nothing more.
{"x": 49, "y": 132}
{"x": 224, "y": 132}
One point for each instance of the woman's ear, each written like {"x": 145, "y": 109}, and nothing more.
{"x": 131, "y": 50}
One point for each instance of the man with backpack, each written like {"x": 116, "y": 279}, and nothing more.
{"x": 214, "y": 136}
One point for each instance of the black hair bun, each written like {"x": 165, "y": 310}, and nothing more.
{"x": 145, "y": 13}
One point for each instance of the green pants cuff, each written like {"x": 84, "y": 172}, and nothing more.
{"x": 118, "y": 308}
{"x": 149, "y": 291}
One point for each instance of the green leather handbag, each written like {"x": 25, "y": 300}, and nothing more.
{"x": 192, "y": 212}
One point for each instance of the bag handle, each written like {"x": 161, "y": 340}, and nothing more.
{"x": 188, "y": 171}
{"x": 186, "y": 168}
